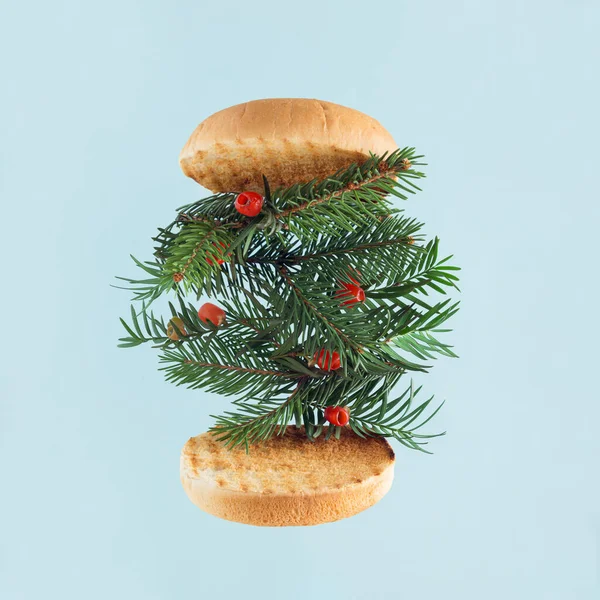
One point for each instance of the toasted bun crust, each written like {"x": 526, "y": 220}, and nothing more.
{"x": 289, "y": 140}
{"x": 287, "y": 480}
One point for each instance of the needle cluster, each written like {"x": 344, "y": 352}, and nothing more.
{"x": 278, "y": 276}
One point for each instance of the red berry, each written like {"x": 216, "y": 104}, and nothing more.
{"x": 326, "y": 360}
{"x": 331, "y": 414}
{"x": 211, "y": 312}
{"x": 249, "y": 203}
{"x": 219, "y": 261}
{"x": 338, "y": 415}
{"x": 343, "y": 416}
{"x": 351, "y": 293}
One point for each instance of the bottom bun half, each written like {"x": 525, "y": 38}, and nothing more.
{"x": 287, "y": 480}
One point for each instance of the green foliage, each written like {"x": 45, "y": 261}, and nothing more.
{"x": 398, "y": 418}
{"x": 280, "y": 284}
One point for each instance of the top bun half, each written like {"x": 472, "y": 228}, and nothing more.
{"x": 288, "y": 140}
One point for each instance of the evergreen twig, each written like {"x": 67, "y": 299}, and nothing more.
{"x": 279, "y": 284}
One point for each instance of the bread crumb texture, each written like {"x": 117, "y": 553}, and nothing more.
{"x": 287, "y": 480}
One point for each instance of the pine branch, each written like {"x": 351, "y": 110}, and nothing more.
{"x": 350, "y": 198}
{"x": 254, "y": 425}
{"x": 145, "y": 327}
{"x": 254, "y": 371}
{"x": 346, "y": 188}
{"x": 314, "y": 315}
{"x": 258, "y": 419}
{"x": 150, "y": 329}
{"x": 279, "y": 277}
{"x": 151, "y": 288}
{"x": 395, "y": 235}
{"x": 417, "y": 335}
{"x": 424, "y": 271}
{"x": 200, "y": 363}
{"x": 321, "y": 317}
{"x": 216, "y": 207}
{"x": 396, "y": 418}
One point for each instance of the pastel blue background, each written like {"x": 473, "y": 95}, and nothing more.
{"x": 97, "y": 99}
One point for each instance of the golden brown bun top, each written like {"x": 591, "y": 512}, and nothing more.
{"x": 289, "y": 464}
{"x": 289, "y": 140}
